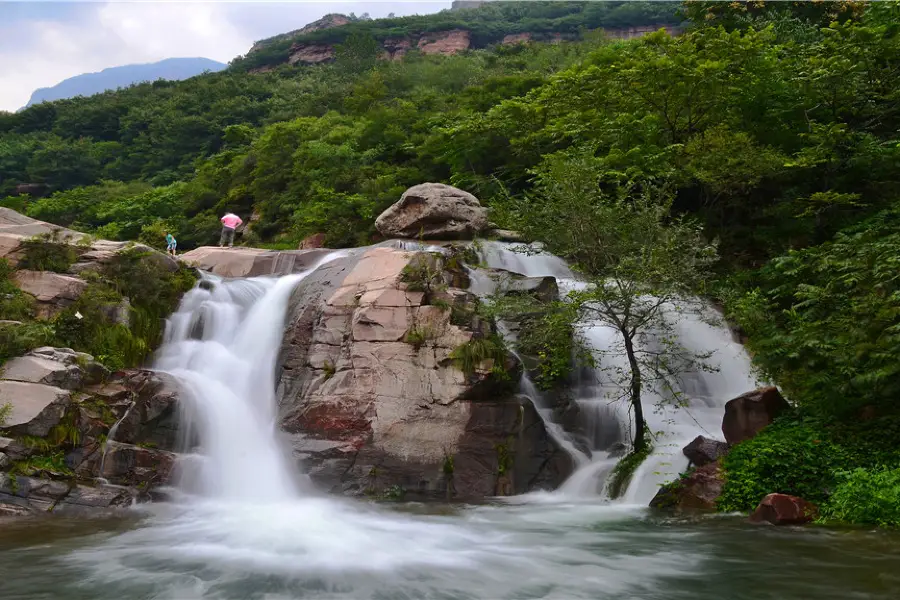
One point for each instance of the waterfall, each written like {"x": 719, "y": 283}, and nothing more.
{"x": 604, "y": 409}
{"x": 222, "y": 346}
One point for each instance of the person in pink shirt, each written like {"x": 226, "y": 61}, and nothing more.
{"x": 230, "y": 222}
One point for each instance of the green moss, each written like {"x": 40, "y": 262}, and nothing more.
{"x": 53, "y": 465}
{"x": 623, "y": 472}
{"x": 5, "y": 411}
{"x": 329, "y": 369}
{"x": 418, "y": 336}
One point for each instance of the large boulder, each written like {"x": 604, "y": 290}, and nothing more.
{"x": 373, "y": 403}
{"x": 782, "y": 509}
{"x": 699, "y": 490}
{"x": 435, "y": 211}
{"x": 703, "y": 450}
{"x": 749, "y": 413}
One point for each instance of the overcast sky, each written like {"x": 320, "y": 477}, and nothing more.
{"x": 42, "y": 43}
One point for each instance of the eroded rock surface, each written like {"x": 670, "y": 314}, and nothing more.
{"x": 374, "y": 403}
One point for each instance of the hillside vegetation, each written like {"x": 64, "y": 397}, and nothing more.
{"x": 772, "y": 124}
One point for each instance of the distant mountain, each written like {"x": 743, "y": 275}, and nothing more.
{"x": 88, "y": 84}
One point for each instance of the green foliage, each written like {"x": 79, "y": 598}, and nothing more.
{"x": 621, "y": 475}
{"x": 823, "y": 321}
{"x": 329, "y": 369}
{"x": 418, "y": 336}
{"x": 5, "y": 412}
{"x": 16, "y": 340}
{"x": 865, "y": 496}
{"x": 471, "y": 355}
{"x": 15, "y": 305}
{"x": 52, "y": 465}
{"x": 788, "y": 457}
{"x": 47, "y": 252}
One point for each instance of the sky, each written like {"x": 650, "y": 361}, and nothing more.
{"x": 44, "y": 42}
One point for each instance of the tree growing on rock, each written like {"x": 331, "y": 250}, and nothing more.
{"x": 639, "y": 260}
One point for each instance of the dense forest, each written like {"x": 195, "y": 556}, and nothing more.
{"x": 774, "y": 125}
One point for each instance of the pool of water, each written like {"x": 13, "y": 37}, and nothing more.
{"x": 324, "y": 548}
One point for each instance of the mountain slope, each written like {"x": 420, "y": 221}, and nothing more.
{"x": 88, "y": 84}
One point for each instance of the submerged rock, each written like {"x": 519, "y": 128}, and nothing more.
{"x": 782, "y": 509}
{"x": 703, "y": 450}
{"x": 434, "y": 211}
{"x": 749, "y": 413}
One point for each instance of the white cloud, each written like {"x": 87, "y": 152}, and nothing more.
{"x": 43, "y": 48}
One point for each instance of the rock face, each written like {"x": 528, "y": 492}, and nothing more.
{"x": 445, "y": 42}
{"x": 698, "y": 491}
{"x": 310, "y": 54}
{"x": 396, "y": 48}
{"x": 703, "y": 451}
{"x": 749, "y": 413}
{"x": 782, "y": 509}
{"x": 135, "y": 409}
{"x": 435, "y": 211}
{"x": 373, "y": 401}
{"x": 251, "y": 262}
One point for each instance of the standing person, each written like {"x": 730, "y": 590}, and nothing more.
{"x": 230, "y": 222}
{"x": 170, "y": 244}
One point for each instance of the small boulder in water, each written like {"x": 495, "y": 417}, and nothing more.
{"x": 704, "y": 450}
{"x": 699, "y": 490}
{"x": 782, "y": 509}
{"x": 435, "y": 211}
{"x": 749, "y": 413}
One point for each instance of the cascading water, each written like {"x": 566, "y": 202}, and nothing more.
{"x": 696, "y": 409}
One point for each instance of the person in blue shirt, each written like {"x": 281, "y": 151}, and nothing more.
{"x": 170, "y": 244}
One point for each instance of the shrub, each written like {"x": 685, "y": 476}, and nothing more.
{"x": 47, "y": 252}
{"x": 468, "y": 356}
{"x": 15, "y": 305}
{"x": 788, "y": 457}
{"x": 16, "y": 340}
{"x": 624, "y": 470}
{"x": 866, "y": 496}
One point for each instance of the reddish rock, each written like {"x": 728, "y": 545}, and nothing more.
{"x": 316, "y": 240}
{"x": 395, "y": 48}
{"x": 310, "y": 54}
{"x": 445, "y": 42}
{"x": 749, "y": 413}
{"x": 516, "y": 38}
{"x": 698, "y": 491}
{"x": 781, "y": 509}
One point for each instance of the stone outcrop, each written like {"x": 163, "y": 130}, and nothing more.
{"x": 703, "y": 450}
{"x": 782, "y": 509}
{"x": 396, "y": 48}
{"x": 698, "y": 491}
{"x": 373, "y": 401}
{"x": 516, "y": 38}
{"x": 445, "y": 42}
{"x": 434, "y": 211}
{"x": 749, "y": 413}
{"x": 327, "y": 22}
{"x": 251, "y": 262}
{"x": 52, "y": 450}
{"x": 310, "y": 54}
{"x": 54, "y": 292}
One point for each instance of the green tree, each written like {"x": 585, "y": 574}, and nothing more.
{"x": 639, "y": 261}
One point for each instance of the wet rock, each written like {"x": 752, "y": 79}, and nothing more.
{"x": 506, "y": 235}
{"x": 703, "y": 450}
{"x": 20, "y": 495}
{"x": 36, "y": 408}
{"x": 748, "y": 414}
{"x": 126, "y": 464}
{"x": 782, "y": 509}
{"x": 435, "y": 211}
{"x": 544, "y": 289}
{"x": 699, "y": 490}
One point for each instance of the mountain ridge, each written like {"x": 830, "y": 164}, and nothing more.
{"x": 111, "y": 78}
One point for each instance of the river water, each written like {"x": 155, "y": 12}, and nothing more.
{"x": 324, "y": 548}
